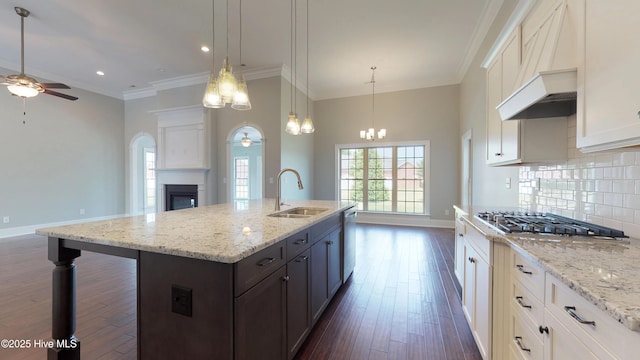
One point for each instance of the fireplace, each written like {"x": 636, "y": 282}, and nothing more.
{"x": 180, "y": 196}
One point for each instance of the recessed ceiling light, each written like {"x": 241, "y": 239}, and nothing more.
{"x": 204, "y": 48}
{"x": 100, "y": 72}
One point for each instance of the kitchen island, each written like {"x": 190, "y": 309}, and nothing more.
{"x": 217, "y": 281}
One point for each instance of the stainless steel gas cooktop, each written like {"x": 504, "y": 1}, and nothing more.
{"x": 545, "y": 223}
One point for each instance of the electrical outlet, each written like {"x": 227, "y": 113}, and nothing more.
{"x": 446, "y": 212}
{"x": 81, "y": 211}
{"x": 6, "y": 220}
{"x": 181, "y": 300}
{"x": 508, "y": 183}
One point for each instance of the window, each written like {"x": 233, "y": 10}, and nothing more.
{"x": 241, "y": 169}
{"x": 149, "y": 178}
{"x": 388, "y": 178}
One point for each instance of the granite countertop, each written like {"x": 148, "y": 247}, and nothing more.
{"x": 221, "y": 233}
{"x": 605, "y": 272}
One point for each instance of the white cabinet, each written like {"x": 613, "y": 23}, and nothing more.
{"x": 552, "y": 322}
{"x": 460, "y": 231}
{"x": 477, "y": 289}
{"x": 502, "y": 137}
{"x": 518, "y": 141}
{"x": 608, "y": 76}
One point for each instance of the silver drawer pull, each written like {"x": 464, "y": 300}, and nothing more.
{"x": 522, "y": 270}
{"x": 302, "y": 258}
{"x": 571, "y": 310}
{"x": 519, "y": 300}
{"x": 300, "y": 242}
{"x": 519, "y": 342}
{"x": 266, "y": 261}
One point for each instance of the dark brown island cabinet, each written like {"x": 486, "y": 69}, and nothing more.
{"x": 262, "y": 307}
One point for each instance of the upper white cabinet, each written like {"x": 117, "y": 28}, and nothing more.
{"x": 518, "y": 141}
{"x": 608, "y": 76}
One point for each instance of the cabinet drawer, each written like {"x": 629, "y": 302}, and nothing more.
{"x": 249, "y": 271}
{"x": 524, "y": 340}
{"x": 528, "y": 306}
{"x": 297, "y": 244}
{"x": 562, "y": 302}
{"x": 528, "y": 273}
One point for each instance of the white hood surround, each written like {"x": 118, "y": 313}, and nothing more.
{"x": 183, "y": 156}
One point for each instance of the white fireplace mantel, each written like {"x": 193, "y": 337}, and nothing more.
{"x": 183, "y": 150}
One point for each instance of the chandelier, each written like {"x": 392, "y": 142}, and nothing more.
{"x": 370, "y": 134}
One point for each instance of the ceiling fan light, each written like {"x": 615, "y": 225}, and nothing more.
{"x": 24, "y": 91}
{"x": 293, "y": 124}
{"x": 241, "y": 97}
{"x": 307, "y": 126}
{"x": 246, "y": 142}
{"x": 227, "y": 83}
{"x": 212, "y": 97}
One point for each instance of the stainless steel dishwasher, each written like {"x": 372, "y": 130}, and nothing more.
{"x": 349, "y": 243}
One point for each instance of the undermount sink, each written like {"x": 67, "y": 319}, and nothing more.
{"x": 298, "y": 212}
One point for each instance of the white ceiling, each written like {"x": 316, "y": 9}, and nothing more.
{"x": 413, "y": 43}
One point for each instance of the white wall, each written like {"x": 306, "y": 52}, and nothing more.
{"x": 412, "y": 115}
{"x": 488, "y": 183}
{"x": 66, "y": 157}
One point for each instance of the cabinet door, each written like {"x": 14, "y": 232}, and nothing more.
{"x": 503, "y": 136}
{"x": 318, "y": 279}
{"x": 260, "y": 314}
{"x": 334, "y": 277}
{"x": 325, "y": 272}
{"x": 477, "y": 299}
{"x": 609, "y": 103}
{"x": 459, "y": 243}
{"x": 298, "y": 301}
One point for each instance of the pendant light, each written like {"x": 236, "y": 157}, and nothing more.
{"x": 307, "y": 125}
{"x": 227, "y": 83}
{"x": 293, "y": 124}
{"x": 212, "y": 97}
{"x": 241, "y": 97}
{"x": 225, "y": 88}
{"x": 370, "y": 134}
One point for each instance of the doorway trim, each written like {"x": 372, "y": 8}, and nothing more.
{"x": 466, "y": 161}
{"x": 135, "y": 173}
{"x": 230, "y": 163}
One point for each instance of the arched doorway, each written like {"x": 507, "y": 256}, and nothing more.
{"x": 142, "y": 175}
{"x": 246, "y": 165}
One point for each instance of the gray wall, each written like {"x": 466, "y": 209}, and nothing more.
{"x": 269, "y": 97}
{"x": 412, "y": 115}
{"x": 488, "y": 184}
{"x": 68, "y": 156}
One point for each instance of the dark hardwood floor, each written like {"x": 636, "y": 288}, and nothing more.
{"x": 400, "y": 303}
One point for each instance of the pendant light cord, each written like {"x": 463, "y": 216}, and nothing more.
{"x": 295, "y": 59}
{"x": 213, "y": 37}
{"x": 307, "y": 69}
{"x": 241, "y": 64}
{"x": 292, "y": 71}
{"x": 373, "y": 97}
{"x": 227, "y": 20}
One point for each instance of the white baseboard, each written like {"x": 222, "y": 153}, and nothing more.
{"x": 403, "y": 220}
{"x": 31, "y": 229}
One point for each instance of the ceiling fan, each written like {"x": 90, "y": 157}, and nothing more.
{"x": 23, "y": 85}
{"x": 246, "y": 140}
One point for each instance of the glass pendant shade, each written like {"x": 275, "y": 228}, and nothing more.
{"x": 293, "y": 124}
{"x": 241, "y": 97}
{"x": 227, "y": 83}
{"x": 307, "y": 126}
{"x": 22, "y": 90}
{"x": 212, "y": 97}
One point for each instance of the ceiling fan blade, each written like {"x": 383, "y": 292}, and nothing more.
{"x": 64, "y": 96}
{"x": 54, "y": 86}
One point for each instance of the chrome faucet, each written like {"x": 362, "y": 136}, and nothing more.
{"x": 278, "y": 184}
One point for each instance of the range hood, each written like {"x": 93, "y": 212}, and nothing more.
{"x": 547, "y": 94}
